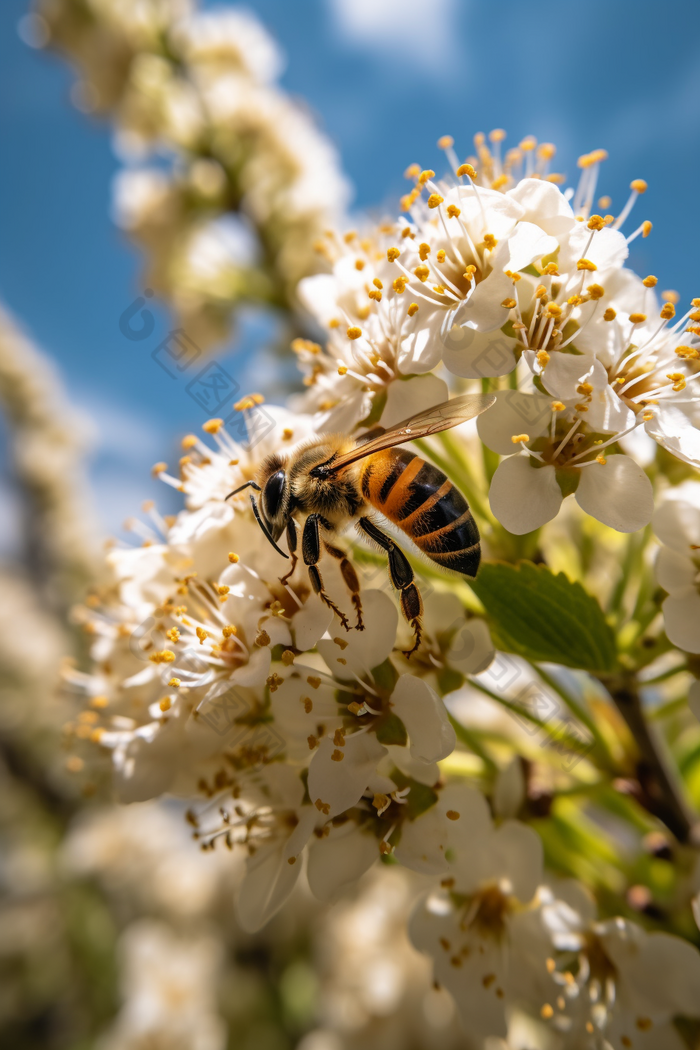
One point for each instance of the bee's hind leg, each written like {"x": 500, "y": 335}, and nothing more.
{"x": 311, "y": 553}
{"x": 350, "y": 576}
{"x": 402, "y": 577}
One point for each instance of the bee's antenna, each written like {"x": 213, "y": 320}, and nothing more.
{"x": 248, "y": 484}
{"x": 261, "y": 523}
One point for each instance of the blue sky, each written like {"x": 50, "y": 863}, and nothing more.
{"x": 385, "y": 79}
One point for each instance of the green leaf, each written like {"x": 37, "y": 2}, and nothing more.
{"x": 544, "y": 617}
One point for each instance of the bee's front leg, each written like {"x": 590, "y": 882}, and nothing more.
{"x": 292, "y": 545}
{"x": 311, "y": 553}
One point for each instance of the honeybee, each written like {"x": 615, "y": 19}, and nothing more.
{"x": 335, "y": 479}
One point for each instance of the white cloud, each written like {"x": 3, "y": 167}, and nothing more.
{"x": 411, "y": 32}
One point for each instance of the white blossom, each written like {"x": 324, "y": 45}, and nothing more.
{"x": 676, "y": 523}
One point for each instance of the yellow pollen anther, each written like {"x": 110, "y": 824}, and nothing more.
{"x": 99, "y": 702}
{"x": 423, "y": 251}
{"x": 202, "y": 635}
{"x": 638, "y": 185}
{"x": 173, "y": 634}
{"x": 554, "y": 309}
{"x": 174, "y": 683}
{"x": 399, "y": 284}
{"x": 425, "y": 175}
{"x": 528, "y": 144}
{"x": 410, "y": 199}
{"x": 354, "y": 332}
{"x": 584, "y": 388}
{"x": 233, "y": 558}
{"x": 509, "y": 304}
{"x": 359, "y": 264}
{"x": 188, "y": 442}
{"x": 547, "y": 1012}
{"x": 551, "y": 270}
{"x": 678, "y": 380}
{"x": 610, "y": 314}
{"x": 601, "y": 459}
{"x": 158, "y": 468}
{"x": 342, "y": 370}
{"x": 453, "y": 211}
{"x": 452, "y": 814}
{"x": 445, "y": 142}
{"x": 435, "y": 200}
{"x": 377, "y": 283}
{"x": 497, "y": 135}
{"x": 490, "y": 241}
{"x": 670, "y": 296}
{"x": 586, "y": 264}
{"x": 467, "y": 169}
{"x": 422, "y": 273}
{"x": 413, "y": 309}
{"x": 441, "y": 255}
{"x": 596, "y": 222}
{"x": 212, "y": 426}
{"x": 542, "y": 358}
{"x": 498, "y": 183}
{"x": 605, "y": 203}
{"x": 412, "y": 171}
{"x": 520, "y": 439}
{"x": 375, "y": 295}
{"x": 229, "y": 631}
{"x": 165, "y": 656}
{"x": 650, "y": 281}
{"x": 165, "y": 704}
{"x": 595, "y": 291}
{"x": 337, "y": 755}
{"x": 392, "y": 254}
{"x": 646, "y": 228}
{"x": 668, "y": 311}
{"x": 638, "y": 318}
{"x": 558, "y": 406}
{"x": 540, "y": 291}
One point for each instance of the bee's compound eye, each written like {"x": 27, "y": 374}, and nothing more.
{"x": 274, "y": 494}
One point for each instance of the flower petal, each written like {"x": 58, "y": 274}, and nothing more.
{"x": 337, "y": 861}
{"x": 674, "y": 572}
{"x": 340, "y": 784}
{"x": 524, "y": 498}
{"x": 514, "y": 412}
{"x": 682, "y": 619}
{"x": 311, "y": 623}
{"x": 675, "y": 429}
{"x": 360, "y": 651}
{"x": 617, "y": 493}
{"x": 471, "y": 650}
{"x": 478, "y": 355}
{"x": 677, "y": 524}
{"x": 410, "y": 396}
{"x": 432, "y": 738}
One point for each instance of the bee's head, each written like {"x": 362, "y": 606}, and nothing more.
{"x": 274, "y": 497}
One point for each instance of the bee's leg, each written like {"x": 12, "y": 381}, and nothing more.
{"x": 292, "y": 544}
{"x": 402, "y": 577}
{"x": 351, "y": 580}
{"x": 311, "y": 553}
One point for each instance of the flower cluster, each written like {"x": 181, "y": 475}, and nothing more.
{"x": 253, "y": 183}
{"x": 498, "y": 272}
{"x": 307, "y": 740}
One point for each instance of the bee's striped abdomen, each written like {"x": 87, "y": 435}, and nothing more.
{"x": 423, "y": 503}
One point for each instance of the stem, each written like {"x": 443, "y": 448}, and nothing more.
{"x": 660, "y": 792}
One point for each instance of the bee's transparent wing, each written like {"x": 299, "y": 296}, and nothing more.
{"x": 432, "y": 421}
